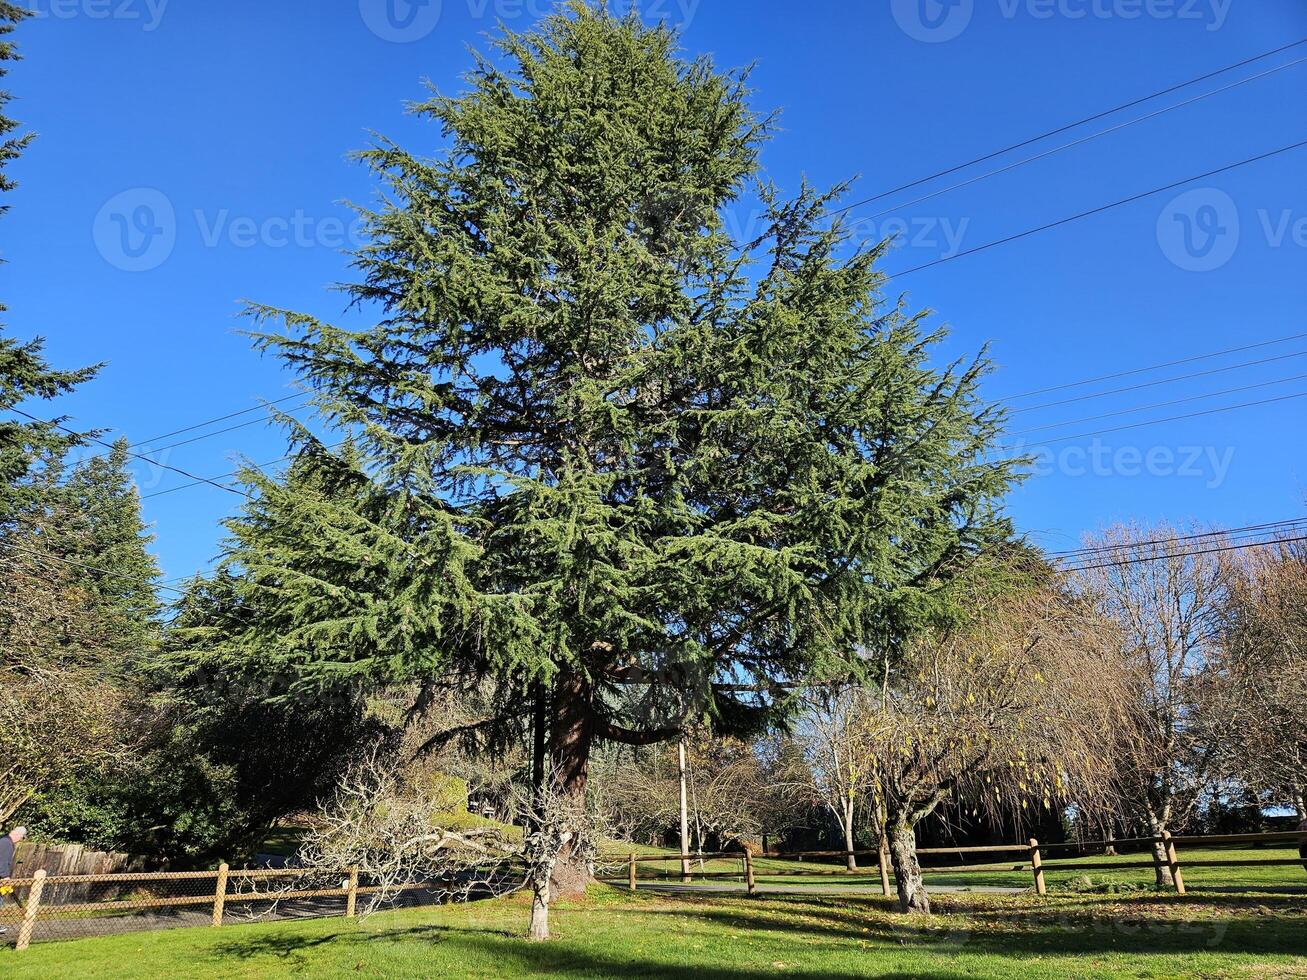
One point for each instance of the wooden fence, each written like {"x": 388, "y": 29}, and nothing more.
{"x": 1033, "y": 861}
{"x": 64, "y": 906}
{"x": 113, "y": 903}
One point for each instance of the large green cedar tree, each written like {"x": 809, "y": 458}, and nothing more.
{"x": 633, "y": 471}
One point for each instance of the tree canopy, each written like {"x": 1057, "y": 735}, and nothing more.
{"x": 600, "y": 450}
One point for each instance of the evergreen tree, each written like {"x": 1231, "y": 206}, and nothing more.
{"x": 24, "y": 372}
{"x": 112, "y": 547}
{"x": 635, "y": 471}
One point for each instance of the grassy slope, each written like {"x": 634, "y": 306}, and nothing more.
{"x": 728, "y": 938}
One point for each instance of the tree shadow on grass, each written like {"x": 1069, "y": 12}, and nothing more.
{"x": 1258, "y": 927}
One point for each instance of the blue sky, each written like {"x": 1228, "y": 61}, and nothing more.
{"x": 231, "y": 122}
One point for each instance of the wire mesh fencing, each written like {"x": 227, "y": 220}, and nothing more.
{"x": 53, "y": 907}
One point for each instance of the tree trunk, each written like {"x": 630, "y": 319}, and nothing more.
{"x": 907, "y": 870}
{"x": 850, "y": 862}
{"x": 1156, "y": 825}
{"x": 685, "y": 814}
{"x": 539, "y": 915}
{"x": 571, "y": 738}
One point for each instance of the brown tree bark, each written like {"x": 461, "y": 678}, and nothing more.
{"x": 570, "y": 740}
{"x": 907, "y": 869}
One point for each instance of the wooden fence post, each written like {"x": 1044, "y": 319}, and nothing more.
{"x": 1037, "y": 868}
{"x": 220, "y": 894}
{"x": 883, "y": 859}
{"x": 630, "y": 871}
{"x": 1173, "y": 862}
{"x": 352, "y": 895}
{"x": 749, "y": 884}
{"x": 29, "y": 913}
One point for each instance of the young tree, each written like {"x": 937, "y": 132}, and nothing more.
{"x": 1012, "y": 707}
{"x": 831, "y": 735}
{"x": 1167, "y": 606}
{"x": 637, "y": 467}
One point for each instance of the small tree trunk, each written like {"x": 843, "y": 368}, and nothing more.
{"x": 850, "y": 862}
{"x": 685, "y": 813}
{"x": 907, "y": 869}
{"x": 539, "y": 914}
{"x": 1156, "y": 825}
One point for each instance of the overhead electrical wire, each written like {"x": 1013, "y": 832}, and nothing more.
{"x": 1078, "y": 142}
{"x": 1155, "y": 405}
{"x": 1271, "y": 527}
{"x": 1160, "y": 381}
{"x": 1073, "y": 125}
{"x": 1098, "y": 210}
{"x": 134, "y": 455}
{"x": 1152, "y": 367}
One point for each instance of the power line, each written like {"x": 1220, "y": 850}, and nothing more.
{"x": 234, "y": 473}
{"x": 1268, "y": 528}
{"x": 212, "y": 421}
{"x": 1098, "y": 210}
{"x": 1181, "y": 554}
{"x": 89, "y": 568}
{"x": 1153, "y": 367}
{"x": 1082, "y": 140}
{"x": 134, "y": 455}
{"x": 1167, "y": 404}
{"x": 1173, "y": 418}
{"x": 1069, "y": 126}
{"x": 1160, "y": 381}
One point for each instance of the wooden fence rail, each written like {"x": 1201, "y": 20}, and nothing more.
{"x": 1034, "y": 853}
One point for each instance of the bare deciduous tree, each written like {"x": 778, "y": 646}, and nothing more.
{"x": 1256, "y": 692}
{"x": 831, "y": 733}
{"x": 398, "y": 835}
{"x": 1167, "y": 605}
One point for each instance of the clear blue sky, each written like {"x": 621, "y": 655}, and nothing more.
{"x": 238, "y": 116}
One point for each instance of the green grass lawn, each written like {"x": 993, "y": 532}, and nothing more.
{"x": 719, "y": 937}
